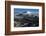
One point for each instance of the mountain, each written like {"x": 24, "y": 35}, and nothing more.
{"x": 21, "y": 15}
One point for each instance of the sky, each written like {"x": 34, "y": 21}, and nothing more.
{"x": 21, "y": 10}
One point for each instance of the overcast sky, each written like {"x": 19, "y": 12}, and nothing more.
{"x": 21, "y": 10}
